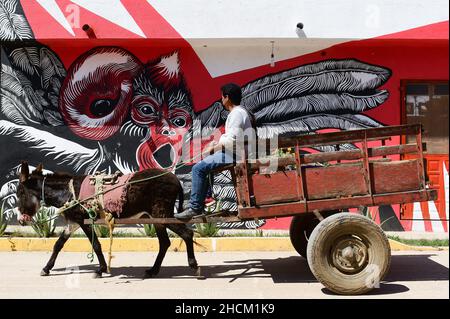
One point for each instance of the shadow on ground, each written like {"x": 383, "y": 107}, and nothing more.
{"x": 293, "y": 269}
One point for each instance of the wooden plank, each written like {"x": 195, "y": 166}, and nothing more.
{"x": 135, "y": 221}
{"x": 275, "y": 188}
{"x": 349, "y": 136}
{"x": 241, "y": 186}
{"x": 395, "y": 176}
{"x": 300, "y": 179}
{"x": 290, "y": 209}
{"x": 392, "y": 150}
{"x": 320, "y": 182}
{"x": 341, "y": 155}
{"x": 334, "y": 181}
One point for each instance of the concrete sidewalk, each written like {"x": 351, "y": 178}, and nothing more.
{"x": 229, "y": 275}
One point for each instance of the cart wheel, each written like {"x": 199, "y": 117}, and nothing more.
{"x": 301, "y": 229}
{"x": 348, "y": 253}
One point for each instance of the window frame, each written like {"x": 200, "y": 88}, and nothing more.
{"x": 403, "y": 84}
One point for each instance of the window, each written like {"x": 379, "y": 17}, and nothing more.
{"x": 427, "y": 104}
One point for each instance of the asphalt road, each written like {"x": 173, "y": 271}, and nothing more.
{"x": 228, "y": 275}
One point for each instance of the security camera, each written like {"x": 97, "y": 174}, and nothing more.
{"x": 299, "y": 30}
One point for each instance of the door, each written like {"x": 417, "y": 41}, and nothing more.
{"x": 426, "y": 102}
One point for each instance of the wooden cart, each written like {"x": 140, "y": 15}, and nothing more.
{"x": 346, "y": 252}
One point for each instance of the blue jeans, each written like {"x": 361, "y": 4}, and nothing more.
{"x": 200, "y": 173}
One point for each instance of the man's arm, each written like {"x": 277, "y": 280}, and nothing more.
{"x": 227, "y": 139}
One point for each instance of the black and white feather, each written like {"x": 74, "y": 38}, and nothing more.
{"x": 13, "y": 24}
{"x": 34, "y": 76}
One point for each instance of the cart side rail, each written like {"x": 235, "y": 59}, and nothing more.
{"x": 364, "y": 176}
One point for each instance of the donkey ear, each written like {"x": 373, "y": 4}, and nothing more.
{"x": 38, "y": 169}
{"x": 24, "y": 172}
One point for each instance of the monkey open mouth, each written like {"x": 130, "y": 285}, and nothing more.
{"x": 165, "y": 155}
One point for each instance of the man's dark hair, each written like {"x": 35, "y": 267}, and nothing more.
{"x": 233, "y": 91}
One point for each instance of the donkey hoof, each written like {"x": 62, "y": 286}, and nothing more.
{"x": 151, "y": 273}
{"x": 198, "y": 274}
{"x": 44, "y": 272}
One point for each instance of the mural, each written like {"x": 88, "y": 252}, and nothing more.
{"x": 114, "y": 109}
{"x": 108, "y": 98}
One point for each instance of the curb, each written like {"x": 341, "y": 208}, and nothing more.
{"x": 151, "y": 244}
{"x": 398, "y": 246}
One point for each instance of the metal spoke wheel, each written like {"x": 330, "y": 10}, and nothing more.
{"x": 348, "y": 253}
{"x": 301, "y": 229}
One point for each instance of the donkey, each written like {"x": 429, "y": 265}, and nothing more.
{"x": 155, "y": 196}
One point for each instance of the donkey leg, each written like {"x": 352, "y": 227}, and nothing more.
{"x": 164, "y": 244}
{"x": 187, "y": 235}
{"x": 88, "y": 230}
{"x": 68, "y": 231}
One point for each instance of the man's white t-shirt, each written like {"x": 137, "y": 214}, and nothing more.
{"x": 237, "y": 125}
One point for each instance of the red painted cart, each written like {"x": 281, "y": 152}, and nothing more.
{"x": 346, "y": 252}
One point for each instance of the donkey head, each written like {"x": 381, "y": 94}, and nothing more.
{"x": 28, "y": 192}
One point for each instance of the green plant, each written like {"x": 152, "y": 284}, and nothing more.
{"x": 284, "y": 152}
{"x": 43, "y": 222}
{"x": 421, "y": 242}
{"x": 3, "y": 222}
{"x": 207, "y": 229}
{"x": 150, "y": 230}
{"x": 259, "y": 233}
{"x": 102, "y": 231}
{"x": 218, "y": 207}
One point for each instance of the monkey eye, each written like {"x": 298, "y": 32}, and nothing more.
{"x": 102, "y": 107}
{"x": 179, "y": 121}
{"x": 146, "y": 109}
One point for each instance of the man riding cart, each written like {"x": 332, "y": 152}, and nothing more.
{"x": 239, "y": 123}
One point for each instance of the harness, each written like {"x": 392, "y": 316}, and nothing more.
{"x": 99, "y": 180}
{"x": 94, "y": 206}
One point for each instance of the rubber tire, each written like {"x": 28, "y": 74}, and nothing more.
{"x": 320, "y": 246}
{"x": 301, "y": 228}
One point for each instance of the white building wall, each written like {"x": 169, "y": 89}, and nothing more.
{"x": 350, "y": 19}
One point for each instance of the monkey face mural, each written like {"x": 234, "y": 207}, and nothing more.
{"x": 107, "y": 85}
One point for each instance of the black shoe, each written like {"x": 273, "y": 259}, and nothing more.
{"x": 188, "y": 214}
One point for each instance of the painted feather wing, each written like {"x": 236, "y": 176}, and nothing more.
{"x": 327, "y": 94}
{"x": 13, "y": 24}
{"x": 30, "y": 86}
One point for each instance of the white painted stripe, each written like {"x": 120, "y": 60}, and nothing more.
{"x": 54, "y": 10}
{"x": 417, "y": 225}
{"x": 436, "y": 223}
{"x": 113, "y": 11}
